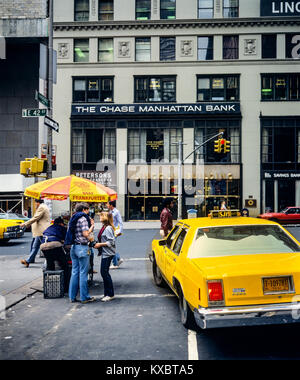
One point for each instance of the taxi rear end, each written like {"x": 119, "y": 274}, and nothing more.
{"x": 251, "y": 272}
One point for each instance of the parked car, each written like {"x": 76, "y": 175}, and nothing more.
{"x": 286, "y": 216}
{"x": 230, "y": 271}
{"x": 9, "y": 230}
{"x": 17, "y": 218}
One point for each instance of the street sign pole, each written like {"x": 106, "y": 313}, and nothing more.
{"x": 50, "y": 89}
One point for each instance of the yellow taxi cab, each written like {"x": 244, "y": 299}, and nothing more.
{"x": 9, "y": 229}
{"x": 229, "y": 270}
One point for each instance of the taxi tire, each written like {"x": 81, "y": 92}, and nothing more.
{"x": 186, "y": 314}
{"x": 157, "y": 276}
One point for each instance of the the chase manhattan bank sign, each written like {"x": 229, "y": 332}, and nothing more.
{"x": 279, "y": 8}
{"x": 155, "y": 109}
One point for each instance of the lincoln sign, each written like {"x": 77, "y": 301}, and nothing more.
{"x": 280, "y": 8}
{"x": 149, "y": 109}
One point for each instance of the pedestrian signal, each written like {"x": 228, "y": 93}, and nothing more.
{"x": 32, "y": 166}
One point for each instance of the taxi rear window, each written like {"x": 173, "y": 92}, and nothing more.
{"x": 241, "y": 240}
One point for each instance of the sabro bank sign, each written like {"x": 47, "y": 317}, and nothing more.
{"x": 279, "y": 8}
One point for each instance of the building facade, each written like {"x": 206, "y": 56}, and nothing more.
{"x": 138, "y": 77}
{"x": 23, "y": 27}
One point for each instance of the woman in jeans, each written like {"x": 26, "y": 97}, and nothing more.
{"x": 107, "y": 247}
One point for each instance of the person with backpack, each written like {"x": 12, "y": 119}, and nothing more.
{"x": 79, "y": 229}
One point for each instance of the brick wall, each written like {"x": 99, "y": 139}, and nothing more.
{"x": 23, "y": 8}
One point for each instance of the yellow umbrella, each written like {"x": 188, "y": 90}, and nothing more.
{"x": 76, "y": 188}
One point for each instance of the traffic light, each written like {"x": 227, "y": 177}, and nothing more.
{"x": 227, "y": 146}
{"x": 217, "y": 146}
{"x": 32, "y": 166}
{"x": 222, "y": 145}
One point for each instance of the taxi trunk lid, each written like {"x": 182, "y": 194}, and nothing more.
{"x": 254, "y": 279}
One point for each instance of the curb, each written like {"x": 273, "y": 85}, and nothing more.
{"x": 18, "y": 295}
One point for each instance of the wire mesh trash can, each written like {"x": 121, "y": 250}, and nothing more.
{"x": 53, "y": 284}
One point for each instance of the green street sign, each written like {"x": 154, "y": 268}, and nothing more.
{"x": 42, "y": 99}
{"x": 34, "y": 112}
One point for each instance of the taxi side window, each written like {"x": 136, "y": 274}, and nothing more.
{"x": 172, "y": 236}
{"x": 179, "y": 242}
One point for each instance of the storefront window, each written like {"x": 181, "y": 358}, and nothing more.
{"x": 106, "y": 50}
{"x": 167, "y": 48}
{"x": 142, "y": 49}
{"x": 155, "y": 89}
{"x": 167, "y": 9}
{"x": 82, "y": 10}
{"x": 230, "y": 8}
{"x": 205, "y": 48}
{"x": 205, "y": 8}
{"x": 143, "y": 9}
{"x": 81, "y": 50}
{"x": 93, "y": 90}
{"x": 278, "y": 87}
{"x": 218, "y": 88}
{"x": 106, "y": 10}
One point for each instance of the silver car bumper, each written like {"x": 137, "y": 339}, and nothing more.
{"x": 13, "y": 235}
{"x": 248, "y": 315}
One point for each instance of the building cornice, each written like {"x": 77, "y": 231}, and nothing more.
{"x": 177, "y": 24}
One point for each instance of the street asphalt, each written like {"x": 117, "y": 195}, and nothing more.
{"x": 143, "y": 322}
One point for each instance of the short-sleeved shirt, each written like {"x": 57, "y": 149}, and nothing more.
{"x": 82, "y": 225}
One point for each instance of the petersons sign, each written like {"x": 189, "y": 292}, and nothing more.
{"x": 279, "y": 8}
{"x": 148, "y": 109}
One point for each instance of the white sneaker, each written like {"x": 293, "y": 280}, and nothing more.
{"x": 107, "y": 298}
{"x": 113, "y": 267}
{"x": 120, "y": 262}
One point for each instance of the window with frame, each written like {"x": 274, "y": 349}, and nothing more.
{"x": 205, "y": 8}
{"x": 143, "y": 49}
{"x": 205, "y": 48}
{"x": 179, "y": 241}
{"x": 167, "y": 48}
{"x": 81, "y": 50}
{"x": 81, "y": 10}
{"x": 217, "y": 88}
{"x": 269, "y": 46}
{"x": 280, "y": 87}
{"x": 93, "y": 89}
{"x": 168, "y": 9}
{"x": 230, "y": 47}
{"x": 280, "y": 143}
{"x": 106, "y": 10}
{"x": 152, "y": 141}
{"x": 155, "y": 89}
{"x": 91, "y": 143}
{"x": 106, "y": 50}
{"x": 204, "y": 129}
{"x": 230, "y": 8}
{"x": 143, "y": 9}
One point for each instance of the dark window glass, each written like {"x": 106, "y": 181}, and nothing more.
{"x": 82, "y": 10}
{"x": 280, "y": 87}
{"x": 179, "y": 242}
{"x": 168, "y": 9}
{"x": 81, "y": 50}
{"x": 269, "y": 46}
{"x": 230, "y": 8}
{"x": 167, "y": 48}
{"x": 205, "y": 48}
{"x": 155, "y": 89}
{"x": 93, "y": 90}
{"x": 218, "y": 88}
{"x": 143, "y": 9}
{"x": 230, "y": 47}
{"x": 292, "y": 45}
{"x": 205, "y": 8}
{"x": 106, "y": 10}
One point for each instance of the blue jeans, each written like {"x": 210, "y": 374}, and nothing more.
{"x": 107, "y": 281}
{"x": 115, "y": 259}
{"x": 80, "y": 269}
{"x": 35, "y": 247}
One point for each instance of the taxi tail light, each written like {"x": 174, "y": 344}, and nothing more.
{"x": 215, "y": 292}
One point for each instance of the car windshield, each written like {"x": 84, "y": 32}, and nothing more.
{"x": 11, "y": 216}
{"x": 241, "y": 240}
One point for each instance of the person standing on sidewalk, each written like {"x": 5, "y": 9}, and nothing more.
{"x": 166, "y": 217}
{"x": 39, "y": 222}
{"x": 80, "y": 227}
{"x": 118, "y": 224}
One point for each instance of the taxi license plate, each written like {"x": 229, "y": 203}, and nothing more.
{"x": 276, "y": 285}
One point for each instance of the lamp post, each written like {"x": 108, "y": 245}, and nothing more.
{"x": 50, "y": 88}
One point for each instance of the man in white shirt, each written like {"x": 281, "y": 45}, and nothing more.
{"x": 118, "y": 223}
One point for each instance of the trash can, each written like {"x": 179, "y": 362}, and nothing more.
{"x": 192, "y": 213}
{"x": 53, "y": 284}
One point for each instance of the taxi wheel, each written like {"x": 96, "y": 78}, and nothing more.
{"x": 187, "y": 316}
{"x": 157, "y": 276}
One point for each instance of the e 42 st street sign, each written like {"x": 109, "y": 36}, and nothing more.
{"x": 36, "y": 112}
